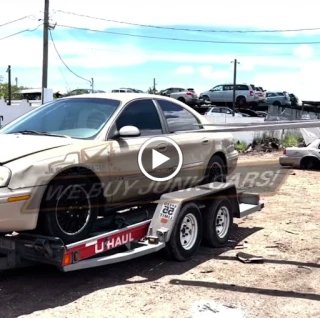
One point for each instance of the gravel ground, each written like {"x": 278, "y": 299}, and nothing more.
{"x": 286, "y": 233}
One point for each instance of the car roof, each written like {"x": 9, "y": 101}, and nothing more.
{"x": 128, "y": 97}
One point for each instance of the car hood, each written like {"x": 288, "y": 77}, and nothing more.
{"x": 18, "y": 146}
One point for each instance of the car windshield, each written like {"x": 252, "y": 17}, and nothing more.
{"x": 81, "y": 118}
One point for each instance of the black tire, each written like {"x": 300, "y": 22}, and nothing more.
{"x": 241, "y": 101}
{"x": 205, "y": 98}
{"x": 174, "y": 249}
{"x": 216, "y": 170}
{"x": 276, "y": 103}
{"x": 181, "y": 99}
{"x": 211, "y": 235}
{"x": 308, "y": 163}
{"x": 70, "y": 223}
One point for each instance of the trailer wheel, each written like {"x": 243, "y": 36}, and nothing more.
{"x": 186, "y": 236}
{"x": 218, "y": 221}
{"x": 71, "y": 213}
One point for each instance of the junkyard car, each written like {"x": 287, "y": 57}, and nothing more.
{"x": 302, "y": 157}
{"x": 74, "y": 158}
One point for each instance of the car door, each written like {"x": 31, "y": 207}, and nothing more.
{"x": 127, "y": 180}
{"x": 227, "y": 94}
{"x": 195, "y": 147}
{"x": 216, "y": 94}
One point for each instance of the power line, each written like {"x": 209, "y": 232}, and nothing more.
{"x": 26, "y": 30}
{"x": 55, "y": 48}
{"x": 187, "y": 40}
{"x": 187, "y": 29}
{"x": 13, "y": 21}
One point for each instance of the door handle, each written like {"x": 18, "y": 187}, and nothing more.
{"x": 205, "y": 141}
{"x": 162, "y": 147}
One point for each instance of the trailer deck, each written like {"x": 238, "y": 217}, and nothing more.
{"x": 161, "y": 231}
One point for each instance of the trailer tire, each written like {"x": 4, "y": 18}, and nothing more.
{"x": 217, "y": 235}
{"x": 184, "y": 241}
{"x": 86, "y": 213}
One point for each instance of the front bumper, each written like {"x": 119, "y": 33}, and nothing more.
{"x": 14, "y": 212}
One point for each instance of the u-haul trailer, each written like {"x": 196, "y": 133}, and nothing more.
{"x": 177, "y": 224}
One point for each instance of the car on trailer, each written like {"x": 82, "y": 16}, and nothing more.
{"x": 60, "y": 155}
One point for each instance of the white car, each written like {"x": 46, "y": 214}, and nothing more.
{"x": 302, "y": 157}
{"x": 222, "y": 94}
{"x": 222, "y": 112}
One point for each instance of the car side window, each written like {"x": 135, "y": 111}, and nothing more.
{"x": 178, "y": 118}
{"x": 218, "y": 88}
{"x": 143, "y": 115}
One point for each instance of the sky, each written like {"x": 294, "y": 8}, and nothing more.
{"x": 93, "y": 47}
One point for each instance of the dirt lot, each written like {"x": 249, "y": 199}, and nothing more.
{"x": 287, "y": 284}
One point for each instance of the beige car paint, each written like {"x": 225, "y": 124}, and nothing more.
{"x": 113, "y": 161}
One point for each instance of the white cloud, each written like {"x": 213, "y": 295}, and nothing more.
{"x": 183, "y": 70}
{"x": 208, "y": 72}
{"x": 304, "y": 51}
{"x": 301, "y": 14}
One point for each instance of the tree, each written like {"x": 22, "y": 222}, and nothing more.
{"x": 14, "y": 89}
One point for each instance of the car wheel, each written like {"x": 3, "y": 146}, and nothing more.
{"x": 205, "y": 98}
{"x": 308, "y": 163}
{"x": 216, "y": 170}
{"x": 68, "y": 210}
{"x": 181, "y": 99}
{"x": 241, "y": 101}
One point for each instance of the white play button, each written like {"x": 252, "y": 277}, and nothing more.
{"x": 158, "y": 159}
{"x": 152, "y": 159}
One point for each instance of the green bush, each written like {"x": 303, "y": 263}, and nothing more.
{"x": 241, "y": 146}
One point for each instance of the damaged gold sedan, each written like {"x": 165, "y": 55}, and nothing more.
{"x": 68, "y": 162}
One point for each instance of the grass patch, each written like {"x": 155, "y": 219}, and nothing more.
{"x": 241, "y": 146}
{"x": 291, "y": 140}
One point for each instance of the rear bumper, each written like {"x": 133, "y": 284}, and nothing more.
{"x": 286, "y": 161}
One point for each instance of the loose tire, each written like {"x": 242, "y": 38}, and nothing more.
{"x": 218, "y": 220}
{"x": 216, "y": 170}
{"x": 71, "y": 212}
{"x": 186, "y": 236}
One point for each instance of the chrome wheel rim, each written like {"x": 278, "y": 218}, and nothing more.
{"x": 73, "y": 210}
{"x": 222, "y": 222}
{"x": 188, "y": 231}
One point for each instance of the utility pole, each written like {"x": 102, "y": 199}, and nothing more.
{"x": 154, "y": 86}
{"x": 9, "y": 84}
{"x": 92, "y": 85}
{"x": 235, "y": 62}
{"x": 45, "y": 48}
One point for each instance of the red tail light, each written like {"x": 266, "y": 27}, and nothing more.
{"x": 284, "y": 151}
{"x": 251, "y": 93}
{"x": 189, "y": 94}
{"x": 260, "y": 94}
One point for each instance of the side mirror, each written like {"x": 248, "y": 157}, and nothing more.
{"x": 129, "y": 131}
